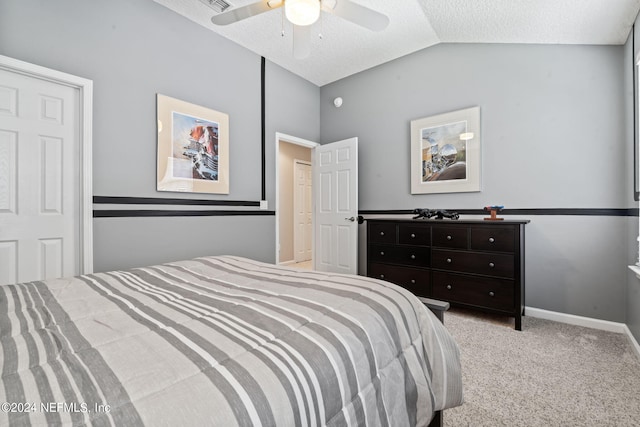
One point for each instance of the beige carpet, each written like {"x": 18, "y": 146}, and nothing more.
{"x": 549, "y": 374}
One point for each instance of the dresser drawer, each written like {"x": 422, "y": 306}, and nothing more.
{"x": 406, "y": 255}
{"x": 450, "y": 237}
{"x": 414, "y": 279}
{"x": 382, "y": 232}
{"x": 493, "y": 239}
{"x": 414, "y": 234}
{"x": 489, "y": 264}
{"x": 482, "y": 292}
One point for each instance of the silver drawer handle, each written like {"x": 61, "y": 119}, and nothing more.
{"x": 449, "y": 260}
{"x": 382, "y": 233}
{"x": 449, "y": 287}
{"x": 491, "y": 265}
{"x": 413, "y": 236}
{"x": 382, "y": 276}
{"x": 492, "y": 294}
{"x": 491, "y": 240}
{"x": 413, "y": 256}
{"x": 449, "y": 237}
{"x": 413, "y": 281}
{"x": 381, "y": 253}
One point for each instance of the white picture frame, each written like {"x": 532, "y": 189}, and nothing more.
{"x": 192, "y": 149}
{"x": 445, "y": 152}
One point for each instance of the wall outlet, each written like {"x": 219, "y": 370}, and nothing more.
{"x": 264, "y": 205}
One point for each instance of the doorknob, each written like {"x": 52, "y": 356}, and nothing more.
{"x": 352, "y": 219}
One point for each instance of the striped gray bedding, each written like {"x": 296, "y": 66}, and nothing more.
{"x": 223, "y": 341}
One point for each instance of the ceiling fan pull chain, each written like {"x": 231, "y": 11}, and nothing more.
{"x": 282, "y": 23}
{"x": 320, "y": 33}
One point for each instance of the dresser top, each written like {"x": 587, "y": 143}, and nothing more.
{"x": 451, "y": 221}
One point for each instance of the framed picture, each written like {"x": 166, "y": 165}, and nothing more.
{"x": 445, "y": 152}
{"x": 193, "y": 148}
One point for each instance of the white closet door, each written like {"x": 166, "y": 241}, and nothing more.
{"x": 39, "y": 179}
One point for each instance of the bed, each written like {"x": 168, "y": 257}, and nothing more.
{"x": 224, "y": 341}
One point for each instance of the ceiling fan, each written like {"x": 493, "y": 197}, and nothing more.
{"x": 303, "y": 13}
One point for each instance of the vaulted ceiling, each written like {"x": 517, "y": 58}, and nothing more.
{"x": 346, "y": 48}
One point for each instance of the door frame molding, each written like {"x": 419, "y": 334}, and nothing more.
{"x": 291, "y": 140}
{"x": 85, "y": 134}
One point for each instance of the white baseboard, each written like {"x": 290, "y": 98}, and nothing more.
{"x": 588, "y": 322}
{"x": 572, "y": 319}
{"x": 632, "y": 340}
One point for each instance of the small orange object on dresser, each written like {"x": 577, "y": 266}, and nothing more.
{"x": 494, "y": 210}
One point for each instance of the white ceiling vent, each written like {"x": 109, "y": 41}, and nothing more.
{"x": 217, "y": 5}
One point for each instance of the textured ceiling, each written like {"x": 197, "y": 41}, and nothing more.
{"x": 346, "y": 48}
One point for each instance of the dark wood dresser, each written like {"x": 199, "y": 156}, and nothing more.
{"x": 477, "y": 264}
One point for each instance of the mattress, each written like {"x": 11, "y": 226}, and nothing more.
{"x": 223, "y": 341}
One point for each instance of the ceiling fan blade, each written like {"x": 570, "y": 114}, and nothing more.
{"x": 360, "y": 15}
{"x": 245, "y": 12}
{"x": 301, "y": 41}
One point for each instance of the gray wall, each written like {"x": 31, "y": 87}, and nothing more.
{"x": 133, "y": 50}
{"x": 554, "y": 122}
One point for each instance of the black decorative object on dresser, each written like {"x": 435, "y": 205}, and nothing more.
{"x": 476, "y": 264}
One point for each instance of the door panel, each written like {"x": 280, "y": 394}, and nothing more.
{"x": 326, "y": 237}
{"x": 8, "y": 170}
{"x": 344, "y": 247}
{"x": 8, "y": 261}
{"x": 326, "y": 192}
{"x": 336, "y": 208}
{"x": 51, "y": 257}
{"x": 344, "y": 197}
{"x": 52, "y": 175}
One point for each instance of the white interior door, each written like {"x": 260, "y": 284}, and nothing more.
{"x": 335, "y": 190}
{"x": 39, "y": 179}
{"x": 303, "y": 211}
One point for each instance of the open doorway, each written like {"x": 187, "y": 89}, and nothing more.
{"x": 294, "y": 203}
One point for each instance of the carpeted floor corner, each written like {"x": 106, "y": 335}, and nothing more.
{"x": 549, "y": 374}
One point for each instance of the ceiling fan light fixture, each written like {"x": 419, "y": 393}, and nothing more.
{"x": 302, "y": 12}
